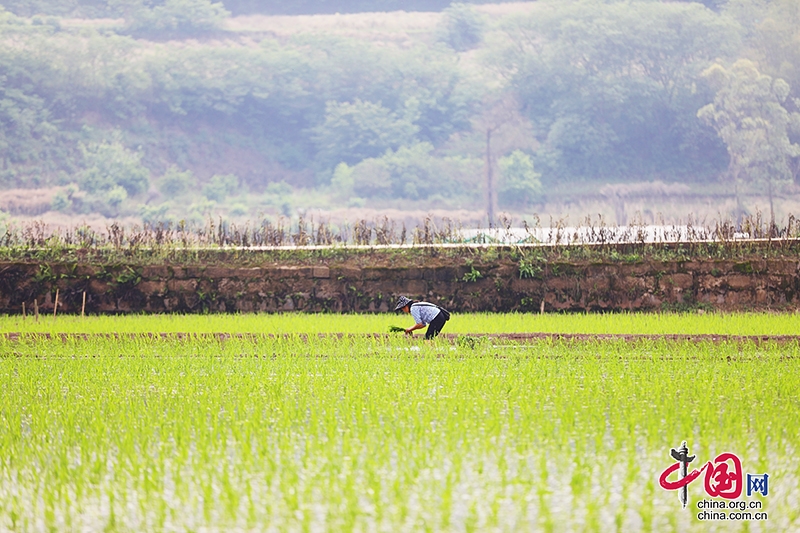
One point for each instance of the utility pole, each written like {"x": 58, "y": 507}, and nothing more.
{"x": 490, "y": 192}
{"x": 500, "y": 126}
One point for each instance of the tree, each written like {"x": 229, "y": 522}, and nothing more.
{"x": 748, "y": 115}
{"x": 360, "y": 130}
{"x": 342, "y": 182}
{"x": 372, "y": 178}
{"x": 111, "y": 8}
{"x": 25, "y": 126}
{"x": 413, "y": 172}
{"x": 114, "y": 199}
{"x": 436, "y": 93}
{"x": 748, "y": 13}
{"x": 173, "y": 18}
{"x": 110, "y": 164}
{"x": 611, "y": 86}
{"x": 28, "y": 129}
{"x": 773, "y": 44}
{"x": 174, "y": 182}
{"x": 220, "y": 187}
{"x": 520, "y": 184}
{"x": 461, "y": 27}
{"x": 423, "y": 85}
{"x": 501, "y": 128}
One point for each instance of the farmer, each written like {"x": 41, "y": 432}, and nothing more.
{"x": 425, "y": 314}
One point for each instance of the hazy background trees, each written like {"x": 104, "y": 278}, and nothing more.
{"x": 749, "y": 117}
{"x": 163, "y": 110}
{"x": 612, "y": 88}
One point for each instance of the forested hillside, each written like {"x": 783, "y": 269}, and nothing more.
{"x": 116, "y": 8}
{"x": 181, "y": 110}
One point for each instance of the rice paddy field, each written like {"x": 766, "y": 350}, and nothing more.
{"x": 753, "y": 324}
{"x": 307, "y": 432}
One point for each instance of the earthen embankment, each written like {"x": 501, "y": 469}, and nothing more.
{"x": 336, "y": 286}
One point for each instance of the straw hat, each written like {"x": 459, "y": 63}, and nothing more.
{"x": 402, "y": 302}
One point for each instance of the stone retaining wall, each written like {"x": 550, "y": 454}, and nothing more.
{"x": 725, "y": 285}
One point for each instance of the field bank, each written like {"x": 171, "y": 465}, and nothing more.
{"x": 368, "y": 281}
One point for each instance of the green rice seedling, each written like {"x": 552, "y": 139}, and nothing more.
{"x": 461, "y": 324}
{"x": 381, "y": 433}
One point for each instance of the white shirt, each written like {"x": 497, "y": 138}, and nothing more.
{"x": 423, "y": 312}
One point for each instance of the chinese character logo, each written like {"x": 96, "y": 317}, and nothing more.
{"x": 723, "y": 476}
{"x": 757, "y": 483}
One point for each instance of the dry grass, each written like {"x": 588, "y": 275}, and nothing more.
{"x": 508, "y": 8}
{"x": 668, "y": 209}
{"x": 398, "y": 21}
{"x": 664, "y": 210}
{"x": 92, "y": 23}
{"x": 30, "y": 202}
{"x": 397, "y": 29}
{"x": 398, "y": 26}
{"x": 666, "y": 205}
{"x": 56, "y": 221}
{"x": 410, "y": 217}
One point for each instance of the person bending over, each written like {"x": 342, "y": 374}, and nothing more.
{"x": 424, "y": 314}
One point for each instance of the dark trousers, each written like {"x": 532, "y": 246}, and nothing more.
{"x": 435, "y": 326}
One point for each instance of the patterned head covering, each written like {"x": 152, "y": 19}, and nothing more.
{"x": 402, "y": 302}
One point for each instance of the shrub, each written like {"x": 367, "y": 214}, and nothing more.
{"x": 175, "y": 182}
{"x": 278, "y": 197}
{"x": 372, "y": 178}
{"x": 61, "y": 201}
{"x": 461, "y": 28}
{"x": 110, "y": 164}
{"x": 360, "y": 130}
{"x": 220, "y": 187}
{"x": 342, "y": 182}
{"x": 155, "y": 214}
{"x": 239, "y": 210}
{"x": 520, "y": 184}
{"x": 115, "y": 197}
{"x": 411, "y": 172}
{"x": 201, "y": 211}
{"x": 177, "y": 18}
